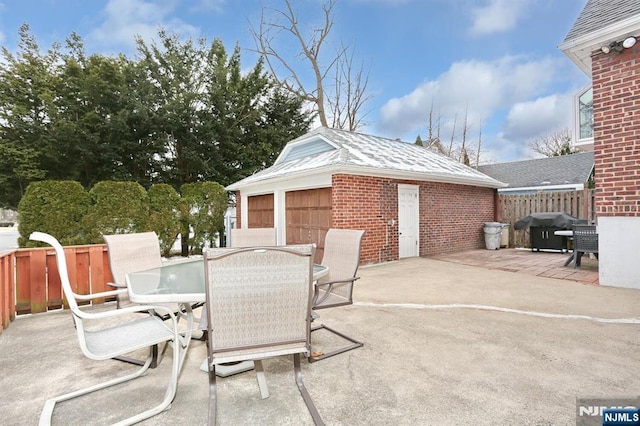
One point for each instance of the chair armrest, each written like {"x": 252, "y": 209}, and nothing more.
{"x": 101, "y": 294}
{"x": 117, "y": 285}
{"x": 158, "y": 309}
{"x": 329, "y": 285}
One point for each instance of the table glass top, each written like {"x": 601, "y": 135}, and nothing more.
{"x": 178, "y": 282}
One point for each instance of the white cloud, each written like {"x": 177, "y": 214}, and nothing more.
{"x": 497, "y": 16}
{"x": 476, "y": 86}
{"x": 527, "y": 120}
{"x": 508, "y": 99}
{"x": 126, "y": 19}
{"x": 215, "y": 5}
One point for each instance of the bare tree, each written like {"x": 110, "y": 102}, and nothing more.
{"x": 464, "y": 156}
{"x": 553, "y": 144}
{"x": 458, "y": 149}
{"x": 453, "y": 133}
{"x": 479, "y": 145}
{"x": 344, "y": 106}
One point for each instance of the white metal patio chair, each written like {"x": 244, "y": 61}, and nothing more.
{"x": 342, "y": 257}
{"x": 252, "y": 237}
{"x": 243, "y": 237}
{"x": 118, "y": 337}
{"x": 131, "y": 253}
{"x": 258, "y": 301}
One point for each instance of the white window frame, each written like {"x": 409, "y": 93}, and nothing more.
{"x": 577, "y": 140}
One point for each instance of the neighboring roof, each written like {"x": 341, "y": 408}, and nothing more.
{"x": 600, "y": 23}
{"x": 557, "y": 172}
{"x": 330, "y": 151}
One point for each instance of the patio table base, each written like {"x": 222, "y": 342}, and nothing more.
{"x": 225, "y": 370}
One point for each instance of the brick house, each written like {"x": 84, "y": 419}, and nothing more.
{"x": 603, "y": 44}
{"x": 409, "y": 200}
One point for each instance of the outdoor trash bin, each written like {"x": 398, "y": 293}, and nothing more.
{"x": 504, "y": 238}
{"x": 492, "y": 235}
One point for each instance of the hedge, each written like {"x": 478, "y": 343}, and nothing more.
{"x": 55, "y": 207}
{"x": 74, "y": 216}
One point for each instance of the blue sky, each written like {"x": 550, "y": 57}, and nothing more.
{"x": 495, "y": 59}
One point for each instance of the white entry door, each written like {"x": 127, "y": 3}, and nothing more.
{"x": 408, "y": 215}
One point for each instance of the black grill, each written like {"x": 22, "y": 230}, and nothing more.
{"x": 542, "y": 227}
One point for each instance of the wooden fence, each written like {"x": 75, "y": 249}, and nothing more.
{"x": 33, "y": 273}
{"x": 511, "y": 208}
{"x": 7, "y": 286}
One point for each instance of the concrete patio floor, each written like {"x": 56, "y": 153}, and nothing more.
{"x": 445, "y": 343}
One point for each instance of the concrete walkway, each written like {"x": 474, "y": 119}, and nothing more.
{"x": 445, "y": 343}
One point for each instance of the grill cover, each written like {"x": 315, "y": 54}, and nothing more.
{"x": 559, "y": 220}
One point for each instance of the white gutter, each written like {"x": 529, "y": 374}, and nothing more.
{"x": 487, "y": 182}
{"x": 576, "y": 187}
{"x": 579, "y": 49}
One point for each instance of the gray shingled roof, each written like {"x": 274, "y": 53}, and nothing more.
{"x": 598, "y": 14}
{"x": 541, "y": 172}
{"x": 358, "y": 153}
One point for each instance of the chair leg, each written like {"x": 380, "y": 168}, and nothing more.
{"x": 47, "y": 411}
{"x": 355, "y": 344}
{"x": 135, "y": 361}
{"x": 317, "y": 420}
{"x": 212, "y": 396}
{"x": 577, "y": 260}
{"x": 262, "y": 381}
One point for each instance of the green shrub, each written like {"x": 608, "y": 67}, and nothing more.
{"x": 164, "y": 215}
{"x": 116, "y": 208}
{"x": 203, "y": 205}
{"x": 54, "y": 207}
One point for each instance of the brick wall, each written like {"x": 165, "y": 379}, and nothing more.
{"x": 616, "y": 113}
{"x": 451, "y": 216}
{"x": 364, "y": 202}
{"x": 238, "y": 209}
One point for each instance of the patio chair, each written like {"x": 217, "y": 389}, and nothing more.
{"x": 342, "y": 256}
{"x": 119, "y": 337}
{"x": 131, "y": 253}
{"x": 252, "y": 237}
{"x": 585, "y": 240}
{"x": 258, "y": 301}
{"x": 243, "y": 237}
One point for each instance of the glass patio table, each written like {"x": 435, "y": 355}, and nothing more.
{"x": 183, "y": 282}
{"x": 180, "y": 282}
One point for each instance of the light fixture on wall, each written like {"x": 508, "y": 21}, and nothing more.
{"x": 629, "y": 42}
{"x": 619, "y": 46}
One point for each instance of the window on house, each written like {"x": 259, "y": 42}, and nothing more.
{"x": 584, "y": 115}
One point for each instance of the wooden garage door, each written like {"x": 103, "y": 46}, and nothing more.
{"x": 260, "y": 209}
{"x": 308, "y": 217}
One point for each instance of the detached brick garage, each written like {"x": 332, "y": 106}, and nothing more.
{"x": 409, "y": 200}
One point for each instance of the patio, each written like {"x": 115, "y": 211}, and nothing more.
{"x": 445, "y": 343}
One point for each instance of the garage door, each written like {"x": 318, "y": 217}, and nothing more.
{"x": 308, "y": 217}
{"x": 260, "y": 209}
